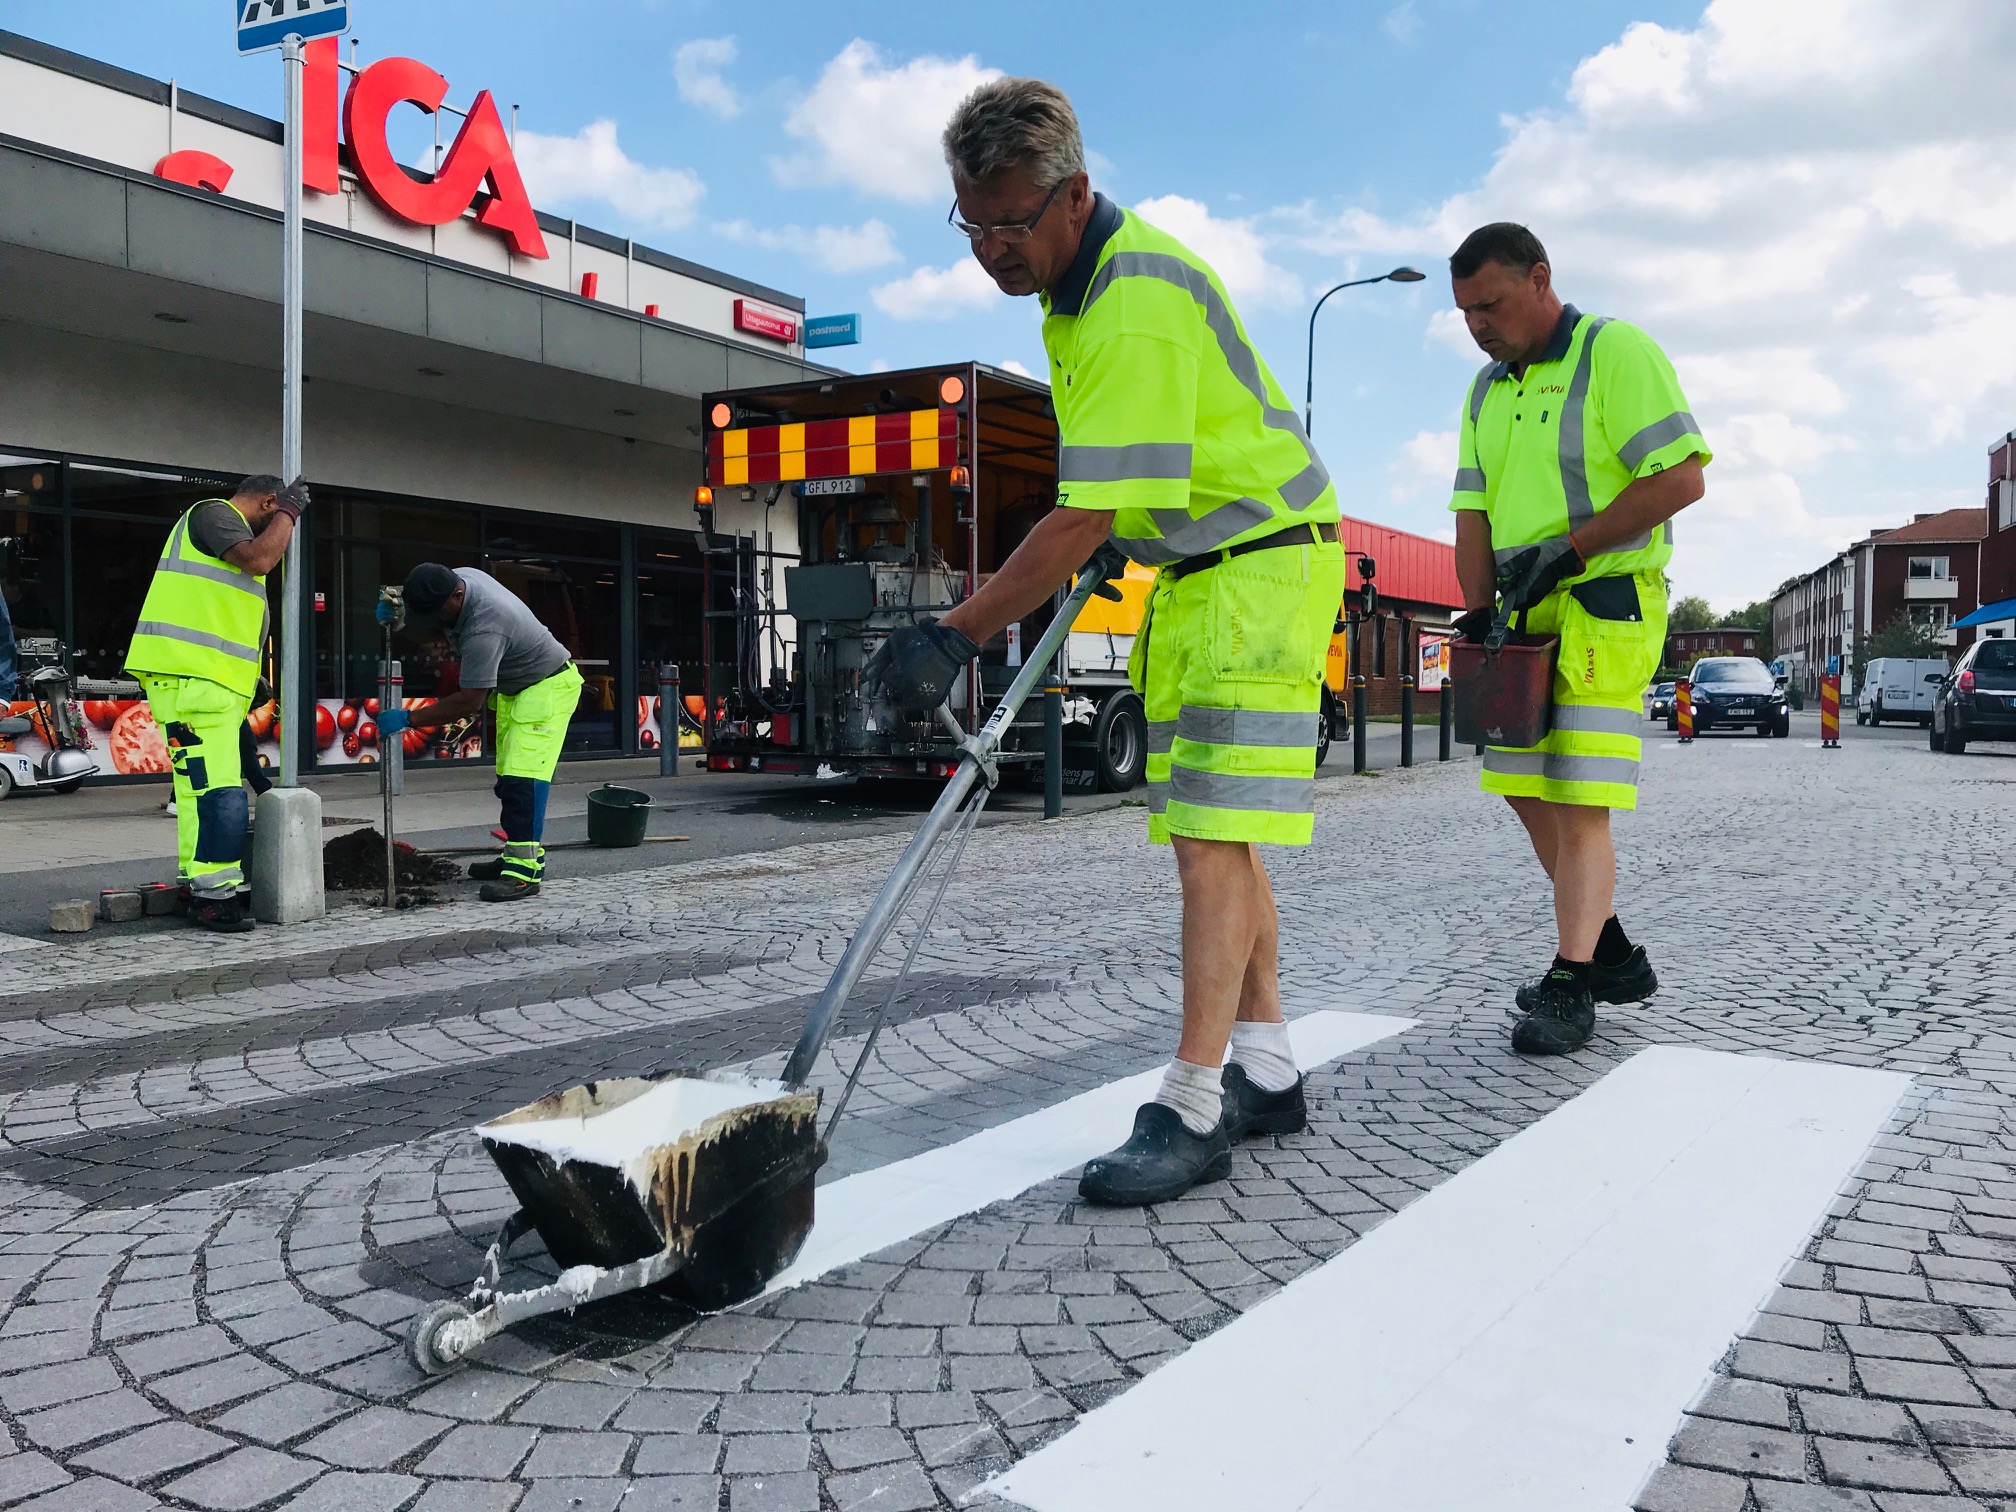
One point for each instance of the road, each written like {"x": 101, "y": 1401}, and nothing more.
{"x": 232, "y": 1170}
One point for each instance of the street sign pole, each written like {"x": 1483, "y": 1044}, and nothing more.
{"x": 298, "y": 730}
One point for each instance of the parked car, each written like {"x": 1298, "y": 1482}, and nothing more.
{"x": 1736, "y": 690}
{"x": 1899, "y": 688}
{"x": 1977, "y": 699}
{"x": 1662, "y": 701}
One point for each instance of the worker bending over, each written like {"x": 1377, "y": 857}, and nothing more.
{"x": 1178, "y": 444}
{"x": 196, "y": 654}
{"x": 514, "y": 665}
{"x": 1576, "y": 451}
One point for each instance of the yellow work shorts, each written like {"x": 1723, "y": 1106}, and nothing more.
{"x": 1590, "y": 756}
{"x": 1229, "y": 663}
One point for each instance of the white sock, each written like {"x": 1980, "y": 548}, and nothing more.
{"x": 1195, "y": 1093}
{"x": 1263, "y": 1050}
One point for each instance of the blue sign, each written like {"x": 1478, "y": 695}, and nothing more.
{"x": 264, "y": 24}
{"x": 833, "y": 330}
{"x": 1833, "y": 666}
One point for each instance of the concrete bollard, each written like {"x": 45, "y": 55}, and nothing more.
{"x": 119, "y": 905}
{"x": 287, "y": 857}
{"x": 71, "y": 916}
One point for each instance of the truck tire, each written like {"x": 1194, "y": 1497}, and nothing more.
{"x": 1326, "y": 718}
{"x": 1120, "y": 743}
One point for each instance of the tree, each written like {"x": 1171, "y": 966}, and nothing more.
{"x": 1903, "y": 636}
{"x": 1691, "y": 613}
{"x": 1756, "y": 617}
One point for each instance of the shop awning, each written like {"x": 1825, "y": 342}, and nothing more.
{"x": 1988, "y": 614}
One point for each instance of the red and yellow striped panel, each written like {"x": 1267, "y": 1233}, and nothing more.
{"x": 915, "y": 441}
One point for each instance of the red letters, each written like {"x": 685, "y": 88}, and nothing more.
{"x": 319, "y": 86}
{"x": 199, "y": 170}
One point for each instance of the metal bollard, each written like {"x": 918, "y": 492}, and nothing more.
{"x": 1406, "y": 721}
{"x": 1447, "y": 716}
{"x": 1053, "y": 752}
{"x": 394, "y": 755}
{"x": 1357, "y": 722}
{"x": 668, "y": 719}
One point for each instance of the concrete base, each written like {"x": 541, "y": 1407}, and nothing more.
{"x": 287, "y": 857}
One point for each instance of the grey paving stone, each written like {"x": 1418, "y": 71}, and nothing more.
{"x": 571, "y": 1404}
{"x": 886, "y": 1488}
{"x": 1744, "y": 1402}
{"x": 765, "y": 1412}
{"x": 52, "y": 1385}
{"x": 957, "y": 1443}
{"x": 1916, "y": 1382}
{"x": 897, "y": 1374}
{"x": 92, "y": 1495}
{"x": 802, "y": 1372}
{"x": 1981, "y": 1472}
{"x": 86, "y": 1421}
{"x": 1856, "y": 1463}
{"x": 563, "y": 1453}
{"x": 374, "y": 1438}
{"x": 1855, "y": 1417}
{"x": 24, "y": 1475}
{"x": 1681, "y": 1488}
{"x": 582, "y": 1494}
{"x": 1740, "y": 1448}
{"x": 155, "y": 1450}
{"x": 348, "y": 1491}
{"x": 243, "y": 1479}
{"x": 476, "y": 1396}
{"x": 214, "y": 1384}
{"x": 936, "y": 1408}
{"x": 1778, "y": 1497}
{"x": 481, "y": 1451}
{"x": 469, "y": 1496}
{"x": 281, "y": 1416}
{"x": 767, "y": 1453}
{"x": 683, "y": 1454}
{"x": 1980, "y": 1427}
{"x": 775, "y": 1493}
{"x": 1792, "y": 1367}
{"x": 854, "y": 1410}
{"x": 851, "y": 1448}
{"x": 673, "y": 1493}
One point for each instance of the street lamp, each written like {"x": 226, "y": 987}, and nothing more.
{"x": 1398, "y": 275}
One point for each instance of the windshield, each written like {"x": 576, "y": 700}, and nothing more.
{"x": 1734, "y": 674}
{"x": 1659, "y": 690}
{"x": 1996, "y": 656}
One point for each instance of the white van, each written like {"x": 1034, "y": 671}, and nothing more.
{"x": 1899, "y": 687}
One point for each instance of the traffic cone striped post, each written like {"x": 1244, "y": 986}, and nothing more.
{"x": 1683, "y": 710}
{"x": 1830, "y": 712}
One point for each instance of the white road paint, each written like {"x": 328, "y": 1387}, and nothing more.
{"x": 859, "y": 1215}
{"x": 663, "y": 1115}
{"x": 1523, "y": 1337}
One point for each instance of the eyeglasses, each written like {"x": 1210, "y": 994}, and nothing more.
{"x": 1012, "y": 231}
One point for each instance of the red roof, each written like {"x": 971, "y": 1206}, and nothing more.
{"x": 1410, "y": 567}
{"x": 1947, "y": 525}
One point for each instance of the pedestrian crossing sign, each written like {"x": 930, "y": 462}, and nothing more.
{"x": 264, "y": 24}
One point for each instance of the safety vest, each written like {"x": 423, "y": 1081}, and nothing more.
{"x": 1165, "y": 413}
{"x": 1544, "y": 453}
{"x": 202, "y": 617}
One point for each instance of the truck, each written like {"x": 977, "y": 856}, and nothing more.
{"x": 1899, "y": 688}
{"x": 904, "y": 491}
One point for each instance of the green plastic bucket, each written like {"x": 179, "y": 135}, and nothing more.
{"x": 617, "y": 816}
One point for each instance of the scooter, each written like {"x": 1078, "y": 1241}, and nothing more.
{"x": 45, "y": 676}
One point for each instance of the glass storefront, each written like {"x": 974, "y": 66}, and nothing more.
{"x": 79, "y": 538}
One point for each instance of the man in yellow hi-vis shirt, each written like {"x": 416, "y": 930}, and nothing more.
{"x": 1179, "y": 445}
{"x": 1576, "y": 450}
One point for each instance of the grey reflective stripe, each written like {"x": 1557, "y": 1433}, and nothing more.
{"x": 1117, "y": 464}
{"x": 1161, "y": 736}
{"x": 1595, "y": 719}
{"x": 1238, "y": 355}
{"x": 1555, "y": 766}
{"x": 1182, "y": 536}
{"x": 1222, "y": 790}
{"x": 521, "y": 847}
{"x": 1246, "y": 727}
{"x": 1659, "y": 433}
{"x": 230, "y": 577}
{"x": 197, "y": 638}
{"x": 1480, "y": 386}
{"x": 1469, "y": 480}
{"x": 1158, "y": 795}
{"x": 1574, "y": 467}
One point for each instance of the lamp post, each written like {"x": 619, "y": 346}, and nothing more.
{"x": 1398, "y": 275}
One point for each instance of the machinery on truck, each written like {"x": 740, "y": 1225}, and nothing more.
{"x": 899, "y": 494}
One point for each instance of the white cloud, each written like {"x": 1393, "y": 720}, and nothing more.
{"x": 1403, "y": 23}
{"x": 696, "y": 69}
{"x": 838, "y": 249}
{"x": 590, "y": 165}
{"x": 1807, "y": 203}
{"x": 874, "y": 126}
{"x": 1424, "y": 466}
{"x": 937, "y": 293}
{"x": 1233, "y": 247}
{"x": 1010, "y": 365}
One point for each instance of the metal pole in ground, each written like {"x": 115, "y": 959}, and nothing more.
{"x": 668, "y": 719}
{"x": 297, "y": 729}
{"x": 1446, "y": 717}
{"x": 1406, "y": 721}
{"x": 1357, "y": 721}
{"x": 395, "y": 758}
{"x": 1053, "y": 751}
{"x": 397, "y": 741}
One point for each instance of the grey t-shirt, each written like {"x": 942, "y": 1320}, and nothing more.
{"x": 214, "y": 529}
{"x": 501, "y": 643}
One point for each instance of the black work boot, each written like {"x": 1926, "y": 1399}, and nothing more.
{"x": 507, "y": 890}
{"x": 1248, "y": 1110}
{"x": 220, "y": 916}
{"x": 1159, "y": 1163}
{"x": 1560, "y": 1018}
{"x": 486, "y": 871}
{"x": 1631, "y": 981}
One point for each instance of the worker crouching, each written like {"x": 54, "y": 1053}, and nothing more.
{"x": 516, "y": 667}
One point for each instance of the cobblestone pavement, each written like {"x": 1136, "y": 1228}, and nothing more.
{"x": 232, "y": 1169}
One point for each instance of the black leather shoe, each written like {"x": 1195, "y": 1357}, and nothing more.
{"x": 1159, "y": 1163}
{"x": 1560, "y": 1020}
{"x": 1632, "y": 982}
{"x": 486, "y": 871}
{"x": 507, "y": 890}
{"x": 220, "y": 916}
{"x": 1248, "y": 1110}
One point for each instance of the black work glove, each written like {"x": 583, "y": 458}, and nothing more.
{"x": 916, "y": 664}
{"x": 1473, "y": 626}
{"x": 292, "y": 499}
{"x": 1537, "y": 571}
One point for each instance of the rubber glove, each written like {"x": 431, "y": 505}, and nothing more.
{"x": 392, "y": 721}
{"x": 1537, "y": 571}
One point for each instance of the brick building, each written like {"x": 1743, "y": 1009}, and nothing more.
{"x": 1997, "y": 615}
{"x": 1685, "y": 647}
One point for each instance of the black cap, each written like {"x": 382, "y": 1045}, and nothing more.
{"x": 428, "y": 587}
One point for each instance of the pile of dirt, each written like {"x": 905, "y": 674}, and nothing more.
{"x": 356, "y": 862}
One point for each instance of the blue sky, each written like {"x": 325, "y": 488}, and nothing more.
{"x": 1792, "y": 195}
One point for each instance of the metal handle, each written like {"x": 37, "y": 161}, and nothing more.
{"x": 882, "y": 913}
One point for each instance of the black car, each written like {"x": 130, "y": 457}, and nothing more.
{"x": 1662, "y": 701}
{"x": 1731, "y": 691}
{"x": 1977, "y": 699}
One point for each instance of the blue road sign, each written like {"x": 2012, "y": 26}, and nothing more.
{"x": 1833, "y": 666}
{"x": 264, "y": 24}
{"x": 833, "y": 330}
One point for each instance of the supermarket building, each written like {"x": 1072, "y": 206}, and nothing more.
{"x": 487, "y": 385}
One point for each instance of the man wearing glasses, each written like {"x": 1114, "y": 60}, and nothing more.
{"x": 1179, "y": 445}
